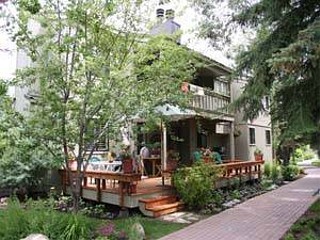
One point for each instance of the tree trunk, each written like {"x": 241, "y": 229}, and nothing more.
{"x": 283, "y": 154}
{"x": 75, "y": 180}
{"x": 76, "y": 191}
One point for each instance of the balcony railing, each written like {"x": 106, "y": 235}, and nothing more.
{"x": 208, "y": 100}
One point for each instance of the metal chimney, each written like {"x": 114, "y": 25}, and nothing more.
{"x": 160, "y": 13}
{"x": 170, "y": 14}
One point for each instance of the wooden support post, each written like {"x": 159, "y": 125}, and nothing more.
{"x": 85, "y": 181}
{"x": 98, "y": 189}
{"x": 121, "y": 194}
{"x": 64, "y": 181}
{"x": 259, "y": 171}
{"x": 104, "y": 186}
{"x": 250, "y": 173}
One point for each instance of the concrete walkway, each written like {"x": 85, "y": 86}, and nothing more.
{"x": 265, "y": 217}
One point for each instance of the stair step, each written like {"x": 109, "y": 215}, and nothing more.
{"x": 166, "y": 208}
{"x": 158, "y": 201}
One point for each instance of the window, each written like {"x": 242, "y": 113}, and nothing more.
{"x": 266, "y": 103}
{"x": 252, "y": 136}
{"x": 102, "y": 143}
{"x": 268, "y": 137}
{"x": 221, "y": 87}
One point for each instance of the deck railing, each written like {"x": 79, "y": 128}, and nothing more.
{"x": 122, "y": 183}
{"x": 99, "y": 180}
{"x": 208, "y": 100}
{"x": 242, "y": 170}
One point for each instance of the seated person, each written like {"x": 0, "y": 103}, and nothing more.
{"x": 207, "y": 152}
{"x": 216, "y": 157}
{"x": 197, "y": 155}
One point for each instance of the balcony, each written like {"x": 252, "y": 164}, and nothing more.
{"x": 208, "y": 100}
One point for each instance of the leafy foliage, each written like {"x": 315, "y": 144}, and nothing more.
{"x": 307, "y": 227}
{"x": 18, "y": 222}
{"x": 303, "y": 153}
{"x": 194, "y": 184}
{"x": 23, "y": 161}
{"x": 92, "y": 67}
{"x": 267, "y": 169}
{"x": 272, "y": 171}
{"x": 290, "y": 172}
{"x": 281, "y": 61}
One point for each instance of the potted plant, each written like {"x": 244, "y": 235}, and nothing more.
{"x": 173, "y": 158}
{"x": 133, "y": 187}
{"x": 127, "y": 162}
{"x": 258, "y": 155}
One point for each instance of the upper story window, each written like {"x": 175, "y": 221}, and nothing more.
{"x": 268, "y": 137}
{"x": 266, "y": 103}
{"x": 101, "y": 142}
{"x": 222, "y": 87}
{"x": 252, "y": 136}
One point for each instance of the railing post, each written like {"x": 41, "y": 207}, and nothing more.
{"x": 259, "y": 171}
{"x": 250, "y": 173}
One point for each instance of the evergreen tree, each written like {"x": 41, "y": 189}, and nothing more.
{"x": 283, "y": 60}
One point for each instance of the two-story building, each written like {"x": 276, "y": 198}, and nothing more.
{"x": 210, "y": 123}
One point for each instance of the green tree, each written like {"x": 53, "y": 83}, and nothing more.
{"x": 282, "y": 61}
{"x": 92, "y": 68}
{"x": 23, "y": 161}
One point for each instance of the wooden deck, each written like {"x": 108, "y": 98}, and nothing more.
{"x": 125, "y": 190}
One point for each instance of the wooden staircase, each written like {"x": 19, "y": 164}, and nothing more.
{"x": 158, "y": 206}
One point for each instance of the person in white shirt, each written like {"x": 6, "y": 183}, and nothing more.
{"x": 144, "y": 153}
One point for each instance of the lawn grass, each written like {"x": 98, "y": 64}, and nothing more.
{"x": 154, "y": 229}
{"x": 307, "y": 227}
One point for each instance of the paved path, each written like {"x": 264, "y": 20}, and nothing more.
{"x": 265, "y": 217}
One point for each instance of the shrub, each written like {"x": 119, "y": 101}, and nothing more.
{"x": 17, "y": 222}
{"x": 217, "y": 198}
{"x": 272, "y": 171}
{"x": 267, "y": 169}
{"x": 194, "y": 184}
{"x": 266, "y": 183}
{"x": 290, "y": 172}
{"x": 304, "y": 153}
{"x": 309, "y": 155}
{"x": 275, "y": 172}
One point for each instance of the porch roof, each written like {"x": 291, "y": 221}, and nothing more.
{"x": 175, "y": 113}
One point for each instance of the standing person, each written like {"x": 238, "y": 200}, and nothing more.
{"x": 144, "y": 153}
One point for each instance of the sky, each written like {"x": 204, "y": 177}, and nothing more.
{"x": 185, "y": 16}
